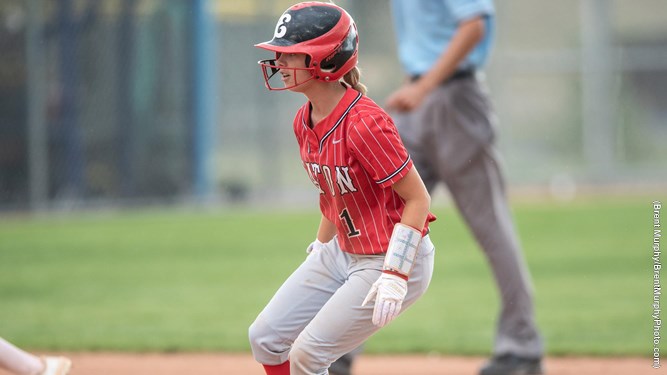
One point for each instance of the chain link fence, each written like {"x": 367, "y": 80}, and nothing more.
{"x": 125, "y": 102}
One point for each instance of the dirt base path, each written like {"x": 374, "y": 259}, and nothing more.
{"x": 242, "y": 364}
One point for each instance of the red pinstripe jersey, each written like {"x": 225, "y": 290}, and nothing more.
{"x": 353, "y": 156}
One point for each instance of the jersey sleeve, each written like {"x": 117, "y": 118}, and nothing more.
{"x": 375, "y": 143}
{"x": 467, "y": 9}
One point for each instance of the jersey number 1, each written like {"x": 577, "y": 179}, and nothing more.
{"x": 352, "y": 231}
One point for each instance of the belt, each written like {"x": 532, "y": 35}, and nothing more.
{"x": 459, "y": 74}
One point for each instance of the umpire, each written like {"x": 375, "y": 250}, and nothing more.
{"x": 447, "y": 124}
{"x": 444, "y": 115}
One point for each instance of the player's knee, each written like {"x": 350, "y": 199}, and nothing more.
{"x": 305, "y": 358}
{"x": 263, "y": 340}
{"x": 301, "y": 357}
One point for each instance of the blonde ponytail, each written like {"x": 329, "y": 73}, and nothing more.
{"x": 352, "y": 78}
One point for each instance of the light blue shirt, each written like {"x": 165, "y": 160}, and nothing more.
{"x": 424, "y": 29}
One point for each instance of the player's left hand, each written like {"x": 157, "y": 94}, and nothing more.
{"x": 389, "y": 292}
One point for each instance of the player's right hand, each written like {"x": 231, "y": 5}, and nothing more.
{"x": 315, "y": 245}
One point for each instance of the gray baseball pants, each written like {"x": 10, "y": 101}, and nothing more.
{"x": 316, "y": 315}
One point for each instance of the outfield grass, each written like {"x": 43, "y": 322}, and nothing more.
{"x": 184, "y": 281}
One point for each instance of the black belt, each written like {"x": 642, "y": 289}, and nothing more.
{"x": 459, "y": 74}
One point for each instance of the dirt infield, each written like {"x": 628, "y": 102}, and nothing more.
{"x": 241, "y": 364}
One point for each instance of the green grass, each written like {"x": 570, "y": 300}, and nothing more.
{"x": 187, "y": 281}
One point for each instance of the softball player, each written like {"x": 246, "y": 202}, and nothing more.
{"x": 20, "y": 362}
{"x": 372, "y": 257}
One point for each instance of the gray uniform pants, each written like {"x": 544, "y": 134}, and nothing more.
{"x": 450, "y": 138}
{"x": 316, "y": 316}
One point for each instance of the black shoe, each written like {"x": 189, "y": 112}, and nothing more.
{"x": 510, "y": 364}
{"x": 342, "y": 366}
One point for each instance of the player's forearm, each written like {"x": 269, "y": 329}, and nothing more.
{"x": 416, "y": 212}
{"x": 326, "y": 230}
{"x": 465, "y": 39}
{"x": 417, "y": 200}
{"x": 406, "y": 236}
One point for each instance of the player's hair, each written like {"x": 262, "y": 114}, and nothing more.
{"x": 353, "y": 78}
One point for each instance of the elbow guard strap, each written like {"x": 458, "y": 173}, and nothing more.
{"x": 402, "y": 251}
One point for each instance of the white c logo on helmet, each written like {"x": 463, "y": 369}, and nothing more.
{"x": 281, "y": 29}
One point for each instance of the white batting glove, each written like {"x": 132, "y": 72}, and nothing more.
{"x": 389, "y": 292}
{"x": 316, "y": 245}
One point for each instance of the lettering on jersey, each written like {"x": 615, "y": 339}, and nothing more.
{"x": 344, "y": 181}
{"x": 327, "y": 176}
{"x": 313, "y": 170}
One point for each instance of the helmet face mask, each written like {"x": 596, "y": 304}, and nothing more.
{"x": 270, "y": 68}
{"x": 324, "y": 32}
